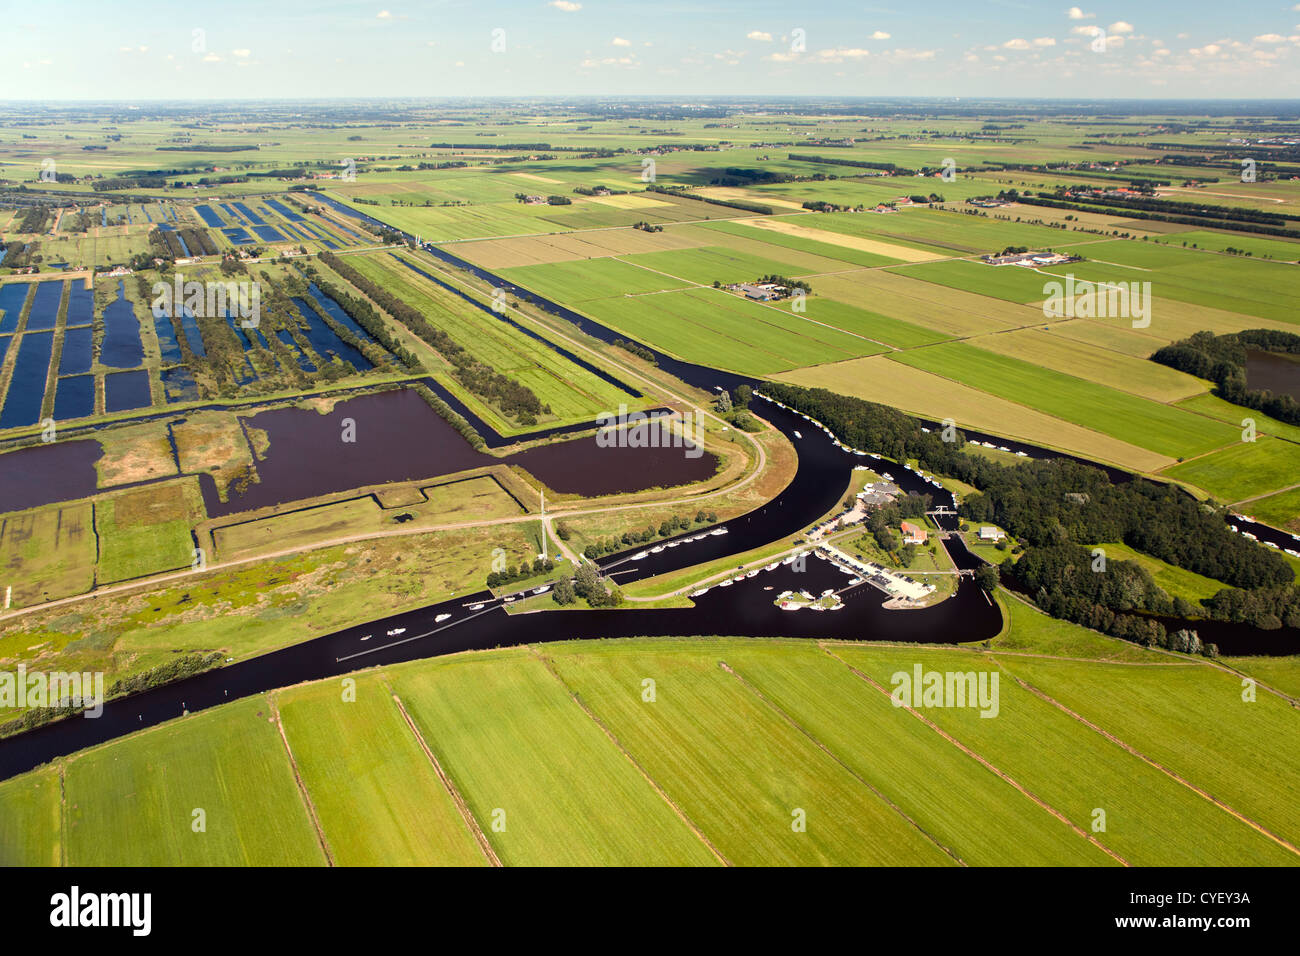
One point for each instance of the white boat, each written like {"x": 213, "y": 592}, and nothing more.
{"x": 726, "y": 584}
{"x": 796, "y": 434}
{"x": 699, "y": 592}
{"x": 986, "y": 444}
{"x": 397, "y": 630}
{"x": 542, "y": 590}
{"x": 1233, "y": 527}
{"x": 509, "y": 600}
{"x": 1270, "y": 544}
{"x": 1292, "y": 551}
{"x": 1245, "y": 518}
{"x": 476, "y": 607}
{"x": 1021, "y": 454}
{"x": 1247, "y": 534}
{"x": 640, "y": 554}
{"x": 887, "y": 476}
{"x": 828, "y": 592}
{"x": 672, "y": 544}
{"x": 656, "y": 549}
{"x": 440, "y": 618}
{"x": 773, "y": 566}
{"x": 924, "y": 429}
{"x": 366, "y": 638}
{"x": 857, "y": 452}
{"x": 718, "y": 531}
{"x": 754, "y": 572}
{"x": 1003, "y": 448}
{"x": 971, "y": 441}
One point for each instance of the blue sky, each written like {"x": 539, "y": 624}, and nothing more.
{"x": 328, "y": 48}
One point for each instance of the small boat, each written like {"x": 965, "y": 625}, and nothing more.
{"x": 1245, "y": 518}
{"x": 542, "y": 590}
{"x": 397, "y": 630}
{"x": 1233, "y": 527}
{"x": 366, "y": 638}
{"x": 773, "y": 566}
{"x": 1292, "y": 551}
{"x": 828, "y": 592}
{"x": 656, "y": 549}
{"x": 1270, "y": 544}
{"x": 508, "y": 600}
{"x": 700, "y": 592}
{"x": 986, "y": 444}
{"x": 1247, "y": 534}
{"x": 1003, "y": 448}
{"x": 476, "y": 607}
{"x": 1021, "y": 454}
{"x": 440, "y": 618}
{"x": 887, "y": 476}
{"x": 924, "y": 429}
{"x": 796, "y": 434}
{"x": 768, "y": 588}
{"x": 640, "y": 554}
{"x": 726, "y": 584}
{"x": 718, "y": 531}
{"x": 672, "y": 544}
{"x": 752, "y": 573}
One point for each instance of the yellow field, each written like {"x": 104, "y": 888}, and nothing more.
{"x": 536, "y": 178}
{"x": 1136, "y": 375}
{"x": 905, "y": 253}
{"x": 926, "y": 303}
{"x": 630, "y": 201}
{"x": 1117, "y": 338}
{"x": 1172, "y": 320}
{"x": 746, "y": 195}
{"x": 877, "y": 379}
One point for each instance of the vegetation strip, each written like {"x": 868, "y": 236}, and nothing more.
{"x": 550, "y": 666}
{"x": 302, "y": 787}
{"x": 795, "y": 724}
{"x": 1158, "y": 766}
{"x": 465, "y": 813}
{"x": 971, "y": 753}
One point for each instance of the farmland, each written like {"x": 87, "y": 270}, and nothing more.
{"x": 561, "y": 755}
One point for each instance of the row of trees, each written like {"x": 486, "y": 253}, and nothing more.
{"x": 520, "y": 573}
{"x": 666, "y": 529}
{"x": 515, "y": 399}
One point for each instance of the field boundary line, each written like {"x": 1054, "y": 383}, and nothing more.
{"x": 988, "y": 765}
{"x": 63, "y": 814}
{"x": 1122, "y": 744}
{"x": 549, "y": 664}
{"x": 302, "y": 785}
{"x": 466, "y": 814}
{"x": 772, "y": 705}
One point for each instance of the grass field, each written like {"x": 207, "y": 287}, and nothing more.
{"x": 1243, "y": 470}
{"x": 1175, "y": 581}
{"x": 145, "y": 532}
{"x": 48, "y": 553}
{"x": 133, "y": 802}
{"x": 377, "y": 797}
{"x": 700, "y": 751}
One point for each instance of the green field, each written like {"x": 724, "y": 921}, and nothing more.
{"x": 1161, "y": 428}
{"x": 1243, "y": 470}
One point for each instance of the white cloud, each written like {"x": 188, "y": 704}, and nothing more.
{"x": 1017, "y": 44}
{"x": 880, "y": 35}
{"x": 1120, "y": 26}
{"x": 1044, "y": 41}
{"x": 1210, "y": 49}
{"x": 1270, "y": 38}
{"x": 566, "y": 6}
{"x": 1074, "y": 13}
{"x": 212, "y": 58}
{"x": 619, "y": 41}
{"x": 242, "y": 54}
{"x": 913, "y": 54}
{"x": 383, "y": 15}
{"x": 760, "y": 35}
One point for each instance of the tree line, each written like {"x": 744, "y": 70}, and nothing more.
{"x": 1222, "y": 360}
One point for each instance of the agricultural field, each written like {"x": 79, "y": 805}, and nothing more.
{"x": 576, "y": 762}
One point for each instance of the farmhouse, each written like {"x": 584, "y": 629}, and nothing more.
{"x": 990, "y": 533}
{"x": 913, "y": 534}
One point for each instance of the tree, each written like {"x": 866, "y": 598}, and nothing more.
{"x": 723, "y": 404}
{"x": 742, "y": 396}
{"x": 988, "y": 576}
{"x": 587, "y": 584}
{"x": 563, "y": 592}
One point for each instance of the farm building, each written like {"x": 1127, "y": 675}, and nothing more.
{"x": 990, "y": 533}
{"x": 913, "y": 534}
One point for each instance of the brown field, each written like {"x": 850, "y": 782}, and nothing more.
{"x": 135, "y": 453}
{"x": 213, "y": 442}
{"x": 746, "y": 195}
{"x": 47, "y": 553}
{"x": 1128, "y": 341}
{"x": 537, "y": 250}
{"x": 879, "y": 380}
{"x": 1096, "y": 364}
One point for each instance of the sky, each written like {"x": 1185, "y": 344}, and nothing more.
{"x": 142, "y": 49}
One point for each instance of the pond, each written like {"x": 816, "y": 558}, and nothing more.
{"x": 124, "y": 391}
{"x": 12, "y": 297}
{"x": 74, "y": 397}
{"x": 122, "y": 347}
{"x": 44, "y": 313}
{"x": 27, "y": 386}
{"x": 76, "y": 356}
{"x": 1277, "y": 372}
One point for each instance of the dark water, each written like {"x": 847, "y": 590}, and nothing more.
{"x": 331, "y": 308}
{"x": 122, "y": 347}
{"x": 27, "y": 387}
{"x": 76, "y": 356}
{"x": 179, "y": 385}
{"x": 209, "y": 216}
{"x": 284, "y": 210}
{"x": 1280, "y": 374}
{"x": 238, "y": 235}
{"x": 190, "y": 326}
{"x": 43, "y": 474}
{"x": 248, "y": 214}
{"x": 268, "y": 233}
{"x": 74, "y": 397}
{"x": 229, "y": 211}
{"x": 124, "y": 391}
{"x": 304, "y": 362}
{"x": 12, "y": 297}
{"x": 167, "y": 344}
{"x": 81, "y": 304}
{"x": 400, "y": 438}
{"x": 44, "y": 313}
{"x": 325, "y": 342}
